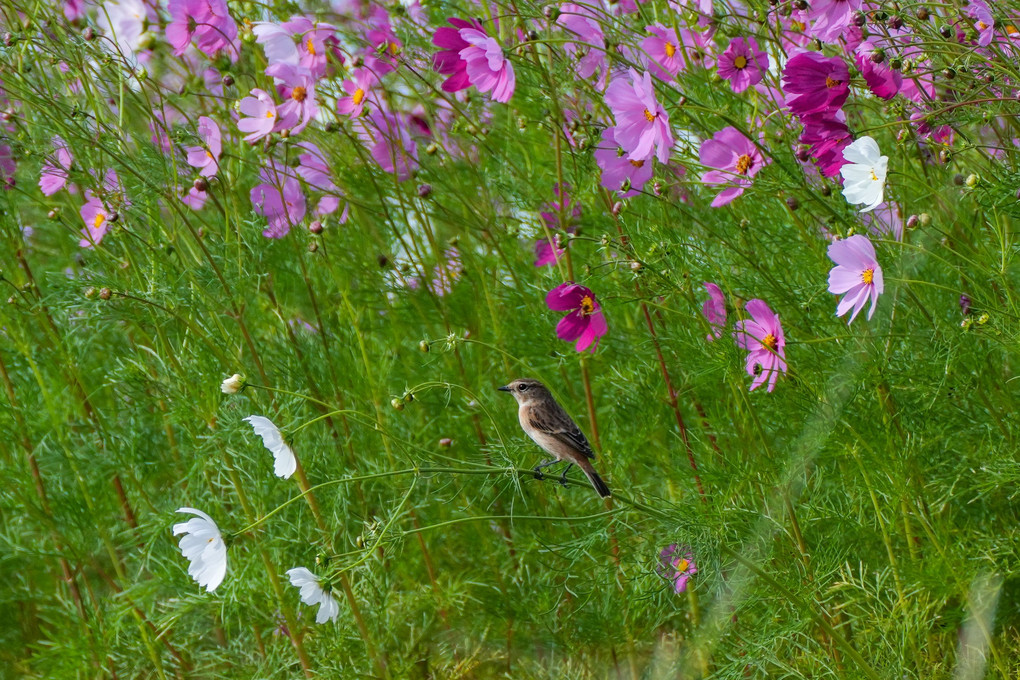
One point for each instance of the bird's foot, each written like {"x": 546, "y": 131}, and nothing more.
{"x": 538, "y": 473}
{"x": 563, "y": 481}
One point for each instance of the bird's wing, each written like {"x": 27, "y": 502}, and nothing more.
{"x": 556, "y": 422}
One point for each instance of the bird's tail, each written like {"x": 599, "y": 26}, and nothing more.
{"x": 596, "y": 481}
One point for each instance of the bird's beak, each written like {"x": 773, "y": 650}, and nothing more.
{"x": 504, "y": 388}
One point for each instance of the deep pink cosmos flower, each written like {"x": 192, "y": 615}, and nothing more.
{"x": 358, "y": 91}
{"x": 206, "y": 22}
{"x": 54, "y": 171}
{"x": 762, "y": 337}
{"x": 664, "y": 50}
{"x": 813, "y": 83}
{"x": 743, "y": 64}
{"x": 826, "y": 135}
{"x": 548, "y": 252}
{"x": 585, "y": 323}
{"x": 487, "y": 67}
{"x": 447, "y": 61}
{"x": 883, "y": 80}
{"x": 828, "y": 19}
{"x": 677, "y": 565}
{"x": 856, "y": 274}
{"x": 206, "y": 157}
{"x": 642, "y": 125}
{"x": 714, "y": 311}
{"x": 736, "y": 160}
{"x": 619, "y": 173}
{"x": 590, "y": 46}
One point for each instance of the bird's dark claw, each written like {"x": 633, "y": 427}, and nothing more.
{"x": 538, "y": 473}
{"x": 563, "y": 480}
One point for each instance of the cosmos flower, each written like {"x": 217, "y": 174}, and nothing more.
{"x": 714, "y": 311}
{"x": 762, "y": 337}
{"x": 207, "y": 23}
{"x": 97, "y": 221}
{"x": 388, "y": 138}
{"x": 677, "y": 564}
{"x": 259, "y": 115}
{"x": 448, "y": 61}
{"x": 204, "y": 548}
{"x": 665, "y": 56}
{"x": 487, "y": 67}
{"x": 300, "y": 41}
{"x": 856, "y": 274}
{"x": 312, "y": 593}
{"x": 358, "y": 90}
{"x": 642, "y": 125}
{"x": 585, "y": 323}
{"x": 232, "y": 385}
{"x": 743, "y": 64}
{"x": 829, "y": 19}
{"x": 272, "y": 438}
{"x": 619, "y": 173}
{"x": 735, "y": 159}
{"x": 590, "y": 46}
{"x": 883, "y": 80}
{"x": 864, "y": 174}
{"x": 206, "y": 157}
{"x": 280, "y": 200}
{"x": 813, "y": 83}
{"x": 297, "y": 88}
{"x": 54, "y": 171}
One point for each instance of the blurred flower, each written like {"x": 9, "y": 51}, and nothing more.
{"x": 864, "y": 174}
{"x": 299, "y": 42}
{"x": 856, "y": 274}
{"x": 827, "y": 135}
{"x": 585, "y": 323}
{"x": 984, "y": 22}
{"x": 259, "y": 115}
{"x": 207, "y": 156}
{"x": 813, "y": 83}
{"x": 743, "y": 64}
{"x": 54, "y": 170}
{"x": 736, "y": 160}
{"x": 206, "y": 22}
{"x": 714, "y": 311}
{"x": 314, "y": 170}
{"x": 762, "y": 337}
{"x": 272, "y": 438}
{"x": 590, "y": 46}
{"x": 677, "y": 564}
{"x": 618, "y": 171}
{"x": 232, "y": 385}
{"x": 665, "y": 58}
{"x": 388, "y": 138}
{"x": 204, "y": 548}
{"x": 312, "y": 593}
{"x": 283, "y": 205}
{"x": 828, "y": 19}
{"x": 447, "y": 273}
{"x": 642, "y": 125}
{"x": 548, "y": 252}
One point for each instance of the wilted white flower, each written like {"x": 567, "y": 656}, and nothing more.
{"x": 232, "y": 385}
{"x": 313, "y": 593}
{"x": 864, "y": 174}
{"x": 286, "y": 463}
{"x": 203, "y": 546}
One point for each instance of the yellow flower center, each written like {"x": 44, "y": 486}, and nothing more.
{"x": 670, "y": 49}
{"x": 831, "y": 82}
{"x": 358, "y": 96}
{"x": 98, "y": 221}
{"x": 649, "y": 116}
{"x": 299, "y": 94}
{"x": 310, "y": 46}
{"x": 740, "y": 62}
{"x": 982, "y": 25}
{"x": 209, "y": 154}
{"x": 868, "y": 275}
{"x": 769, "y": 342}
{"x": 638, "y": 164}
{"x": 743, "y": 164}
{"x": 1010, "y": 28}
{"x": 270, "y": 114}
{"x": 874, "y": 177}
{"x": 681, "y": 564}
{"x": 394, "y": 49}
{"x": 587, "y": 306}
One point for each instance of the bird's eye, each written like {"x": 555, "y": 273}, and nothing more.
{"x": 522, "y": 387}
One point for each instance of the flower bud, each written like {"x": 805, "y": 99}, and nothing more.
{"x": 925, "y": 219}
{"x": 397, "y": 404}
{"x": 315, "y": 227}
{"x": 201, "y": 184}
{"x": 424, "y": 346}
{"x": 912, "y": 221}
{"x": 233, "y": 384}
{"x": 424, "y": 190}
{"x": 104, "y": 293}
{"x": 972, "y": 180}
{"x": 446, "y": 442}
{"x": 983, "y": 319}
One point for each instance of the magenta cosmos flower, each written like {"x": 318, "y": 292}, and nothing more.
{"x": 813, "y": 83}
{"x": 714, "y": 311}
{"x": 743, "y": 64}
{"x": 856, "y": 274}
{"x": 665, "y": 56}
{"x": 828, "y": 19}
{"x": 883, "y": 80}
{"x": 585, "y": 323}
{"x": 642, "y": 125}
{"x": 736, "y": 160}
{"x": 677, "y": 565}
{"x": 470, "y": 57}
{"x": 762, "y": 337}
{"x": 206, "y": 157}
{"x": 619, "y": 173}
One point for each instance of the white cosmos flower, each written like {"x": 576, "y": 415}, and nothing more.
{"x": 286, "y": 463}
{"x": 204, "y": 547}
{"x": 232, "y": 385}
{"x": 313, "y": 593}
{"x": 864, "y": 174}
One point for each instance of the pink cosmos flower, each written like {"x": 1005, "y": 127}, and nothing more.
{"x": 590, "y": 47}
{"x": 856, "y": 274}
{"x": 762, "y": 337}
{"x": 827, "y": 135}
{"x": 358, "y": 90}
{"x": 299, "y": 42}
{"x": 743, "y": 64}
{"x": 883, "y": 80}
{"x": 206, "y": 22}
{"x": 984, "y": 22}
{"x": 664, "y": 50}
{"x": 548, "y": 252}
{"x": 260, "y": 116}
{"x": 297, "y": 88}
{"x": 283, "y": 206}
{"x": 813, "y": 83}
{"x": 828, "y": 19}
{"x": 585, "y": 323}
{"x": 447, "y": 273}
{"x": 55, "y": 168}
{"x": 488, "y": 69}
{"x": 677, "y": 565}
{"x": 314, "y": 170}
{"x": 642, "y": 125}
{"x": 448, "y": 60}
{"x": 206, "y": 157}
{"x": 618, "y": 172}
{"x": 736, "y": 160}
{"x": 389, "y": 140}
{"x": 714, "y": 311}
{"x": 97, "y": 221}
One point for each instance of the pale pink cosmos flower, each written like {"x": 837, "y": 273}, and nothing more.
{"x": 743, "y": 64}
{"x": 762, "y": 337}
{"x": 984, "y": 22}
{"x": 714, "y": 311}
{"x": 856, "y": 275}
{"x": 589, "y": 49}
{"x": 299, "y": 42}
{"x": 297, "y": 88}
{"x": 55, "y": 168}
{"x": 388, "y": 139}
{"x": 585, "y": 323}
{"x": 735, "y": 159}
{"x": 358, "y": 89}
{"x": 259, "y": 116}
{"x": 487, "y": 67}
{"x": 206, "y": 157}
{"x": 97, "y": 221}
{"x": 619, "y": 173}
{"x": 642, "y": 125}
{"x": 280, "y": 201}
{"x": 664, "y": 50}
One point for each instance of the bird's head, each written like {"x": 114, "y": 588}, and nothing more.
{"x": 526, "y": 390}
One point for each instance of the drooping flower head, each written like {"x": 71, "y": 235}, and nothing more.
{"x": 762, "y": 337}
{"x": 55, "y": 168}
{"x": 814, "y": 83}
{"x": 676, "y": 564}
{"x": 285, "y": 462}
{"x": 714, "y": 311}
{"x": 204, "y": 548}
{"x": 743, "y": 64}
{"x": 312, "y": 593}
{"x": 856, "y": 274}
{"x": 470, "y": 57}
{"x": 864, "y": 174}
{"x": 735, "y": 159}
{"x": 642, "y": 125}
{"x": 585, "y": 323}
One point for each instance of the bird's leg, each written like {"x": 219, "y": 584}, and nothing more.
{"x": 538, "y": 468}
{"x": 563, "y": 477}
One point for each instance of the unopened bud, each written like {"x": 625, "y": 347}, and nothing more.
{"x": 424, "y": 190}
{"x": 315, "y": 227}
{"x": 104, "y": 293}
{"x": 201, "y": 184}
{"x": 397, "y": 404}
{"x": 446, "y": 442}
{"x": 424, "y": 346}
{"x": 912, "y": 221}
{"x": 972, "y": 180}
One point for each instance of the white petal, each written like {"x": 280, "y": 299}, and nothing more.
{"x": 284, "y": 461}
{"x": 328, "y": 610}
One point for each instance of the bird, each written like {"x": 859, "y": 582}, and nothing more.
{"x": 552, "y": 429}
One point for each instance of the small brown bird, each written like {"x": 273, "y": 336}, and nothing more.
{"x": 551, "y": 428}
